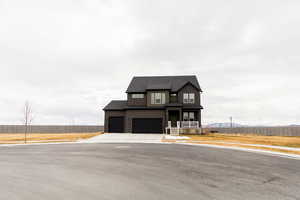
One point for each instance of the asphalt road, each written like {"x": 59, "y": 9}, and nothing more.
{"x": 143, "y": 171}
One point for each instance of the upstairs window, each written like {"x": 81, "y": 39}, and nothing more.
{"x": 158, "y": 98}
{"x": 173, "y": 98}
{"x": 137, "y": 96}
{"x": 189, "y": 98}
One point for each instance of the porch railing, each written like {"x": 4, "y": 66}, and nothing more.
{"x": 185, "y": 124}
{"x": 180, "y": 126}
{"x": 189, "y": 124}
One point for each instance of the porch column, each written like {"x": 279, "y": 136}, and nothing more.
{"x": 167, "y": 117}
{"x": 180, "y": 115}
{"x": 199, "y": 118}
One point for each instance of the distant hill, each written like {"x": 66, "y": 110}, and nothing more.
{"x": 228, "y": 125}
{"x": 294, "y": 125}
{"x": 223, "y": 125}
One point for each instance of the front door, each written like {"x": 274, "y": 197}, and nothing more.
{"x": 174, "y": 117}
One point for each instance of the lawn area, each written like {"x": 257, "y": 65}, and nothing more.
{"x": 287, "y": 141}
{"x": 244, "y": 141}
{"x": 44, "y": 137}
{"x": 250, "y": 147}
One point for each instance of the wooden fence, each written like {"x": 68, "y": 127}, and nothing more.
{"x": 277, "y": 131}
{"x": 50, "y": 129}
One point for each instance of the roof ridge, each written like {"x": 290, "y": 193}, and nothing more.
{"x": 142, "y": 83}
{"x": 164, "y": 76}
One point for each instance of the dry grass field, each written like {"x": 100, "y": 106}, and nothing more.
{"x": 245, "y": 141}
{"x": 287, "y": 141}
{"x": 250, "y": 147}
{"x": 42, "y": 137}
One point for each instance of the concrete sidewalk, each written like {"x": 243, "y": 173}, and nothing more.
{"x": 124, "y": 138}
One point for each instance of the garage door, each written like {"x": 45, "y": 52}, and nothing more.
{"x": 147, "y": 125}
{"x": 116, "y": 125}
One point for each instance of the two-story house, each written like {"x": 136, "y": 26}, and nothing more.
{"x": 154, "y": 103}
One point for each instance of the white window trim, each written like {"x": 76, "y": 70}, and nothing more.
{"x": 158, "y": 98}
{"x": 189, "y": 98}
{"x": 138, "y": 96}
{"x": 192, "y": 100}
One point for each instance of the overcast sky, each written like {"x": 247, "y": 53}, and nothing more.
{"x": 69, "y": 58}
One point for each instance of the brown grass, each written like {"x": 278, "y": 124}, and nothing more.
{"x": 244, "y": 141}
{"x": 251, "y": 147}
{"x": 48, "y": 137}
{"x": 287, "y": 141}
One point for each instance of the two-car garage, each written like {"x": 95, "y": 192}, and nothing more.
{"x": 138, "y": 125}
{"x": 147, "y": 125}
{"x": 135, "y": 121}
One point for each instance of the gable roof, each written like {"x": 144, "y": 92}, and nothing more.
{"x": 173, "y": 83}
{"x": 116, "y": 105}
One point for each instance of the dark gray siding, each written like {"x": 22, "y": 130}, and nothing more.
{"x": 154, "y": 111}
{"x": 136, "y": 102}
{"x": 130, "y": 114}
{"x": 189, "y": 89}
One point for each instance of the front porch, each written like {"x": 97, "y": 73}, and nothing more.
{"x": 184, "y": 127}
{"x": 183, "y": 121}
{"x": 186, "y": 117}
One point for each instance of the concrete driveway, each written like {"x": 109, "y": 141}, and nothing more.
{"x": 125, "y": 138}
{"x": 143, "y": 171}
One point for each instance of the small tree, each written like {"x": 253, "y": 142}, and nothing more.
{"x": 28, "y": 118}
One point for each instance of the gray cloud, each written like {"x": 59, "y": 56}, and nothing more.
{"x": 70, "y": 58}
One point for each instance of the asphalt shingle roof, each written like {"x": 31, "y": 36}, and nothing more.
{"x": 173, "y": 83}
{"x": 119, "y": 105}
{"x": 116, "y": 105}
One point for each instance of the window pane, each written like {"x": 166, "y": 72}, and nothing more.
{"x": 192, "y": 98}
{"x": 137, "y": 96}
{"x": 185, "y": 116}
{"x": 157, "y": 98}
{"x": 192, "y": 116}
{"x": 185, "y": 98}
{"x": 152, "y": 98}
{"x": 163, "y": 98}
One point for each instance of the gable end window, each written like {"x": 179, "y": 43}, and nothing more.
{"x": 137, "y": 96}
{"x": 189, "y": 98}
{"x": 158, "y": 98}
